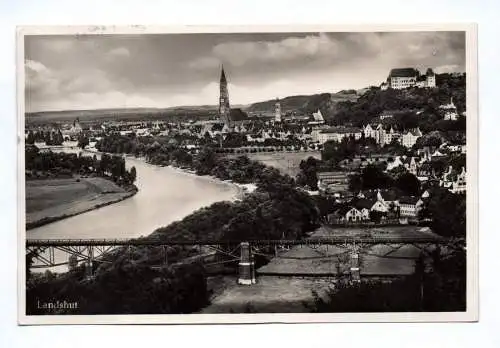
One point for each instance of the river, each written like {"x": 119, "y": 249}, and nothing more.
{"x": 165, "y": 195}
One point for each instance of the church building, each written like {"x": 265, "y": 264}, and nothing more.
{"x": 233, "y": 119}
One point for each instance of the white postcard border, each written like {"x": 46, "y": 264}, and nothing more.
{"x": 470, "y": 315}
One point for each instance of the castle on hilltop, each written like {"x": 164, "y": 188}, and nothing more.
{"x": 402, "y": 78}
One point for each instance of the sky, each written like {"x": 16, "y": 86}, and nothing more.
{"x": 165, "y": 70}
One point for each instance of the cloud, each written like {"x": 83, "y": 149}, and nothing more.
{"x": 240, "y": 53}
{"x": 40, "y": 80}
{"x": 167, "y": 70}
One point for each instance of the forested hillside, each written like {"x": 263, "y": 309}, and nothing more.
{"x": 307, "y": 104}
{"x": 427, "y": 100}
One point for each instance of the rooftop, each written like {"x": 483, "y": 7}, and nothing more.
{"x": 238, "y": 115}
{"x": 408, "y": 200}
{"x": 342, "y": 130}
{"x": 403, "y": 72}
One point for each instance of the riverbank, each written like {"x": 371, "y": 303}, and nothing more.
{"x": 241, "y": 189}
{"x": 50, "y": 200}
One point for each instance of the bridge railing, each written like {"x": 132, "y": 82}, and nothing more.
{"x": 271, "y": 242}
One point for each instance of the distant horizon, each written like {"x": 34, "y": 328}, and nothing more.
{"x": 215, "y": 105}
{"x": 66, "y": 72}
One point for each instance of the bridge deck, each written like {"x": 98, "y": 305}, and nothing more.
{"x": 309, "y": 241}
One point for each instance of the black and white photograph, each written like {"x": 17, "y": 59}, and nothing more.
{"x": 247, "y": 174}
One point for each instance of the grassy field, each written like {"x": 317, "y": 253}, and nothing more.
{"x": 286, "y": 162}
{"x": 52, "y": 199}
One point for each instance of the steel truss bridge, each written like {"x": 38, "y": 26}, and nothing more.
{"x": 95, "y": 250}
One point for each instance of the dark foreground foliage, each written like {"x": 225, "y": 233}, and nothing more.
{"x": 443, "y": 289}
{"x": 123, "y": 288}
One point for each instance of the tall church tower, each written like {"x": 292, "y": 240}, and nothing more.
{"x": 277, "y": 111}
{"x": 224, "y": 107}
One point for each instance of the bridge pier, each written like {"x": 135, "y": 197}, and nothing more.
{"x": 89, "y": 265}
{"x": 355, "y": 276}
{"x": 246, "y": 266}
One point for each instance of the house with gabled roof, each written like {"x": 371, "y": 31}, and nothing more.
{"x": 370, "y": 131}
{"x": 365, "y": 207}
{"x": 400, "y": 78}
{"x": 409, "y": 206}
{"x": 409, "y": 138}
{"x": 346, "y": 213}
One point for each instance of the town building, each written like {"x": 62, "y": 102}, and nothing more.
{"x": 385, "y": 135}
{"x": 338, "y": 133}
{"x": 224, "y": 106}
{"x": 454, "y": 182}
{"x": 370, "y": 131}
{"x": 346, "y": 214}
{"x": 318, "y": 116}
{"x": 317, "y": 119}
{"x": 386, "y": 114}
{"x": 430, "y": 79}
{"x": 230, "y": 117}
{"x": 74, "y": 130}
{"x": 409, "y": 138}
{"x": 333, "y": 182}
{"x": 449, "y": 111}
{"x": 425, "y": 172}
{"x": 402, "y": 78}
{"x": 395, "y": 163}
{"x": 409, "y": 207}
{"x": 277, "y": 112}
{"x": 411, "y": 166}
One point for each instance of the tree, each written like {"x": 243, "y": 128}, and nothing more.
{"x": 376, "y": 216}
{"x": 373, "y": 177}
{"x": 133, "y": 175}
{"x": 58, "y": 138}
{"x": 408, "y": 183}
{"x": 83, "y": 141}
{"x": 355, "y": 183}
{"x": 448, "y": 212}
{"x": 30, "y": 138}
{"x": 308, "y": 173}
{"x": 205, "y": 161}
{"x": 48, "y": 138}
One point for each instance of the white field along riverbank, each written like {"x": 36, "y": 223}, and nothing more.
{"x": 166, "y": 194}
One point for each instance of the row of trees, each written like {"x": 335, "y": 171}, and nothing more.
{"x": 48, "y": 137}
{"x": 66, "y": 164}
{"x": 205, "y": 162}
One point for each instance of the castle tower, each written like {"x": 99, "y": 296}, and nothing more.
{"x": 430, "y": 78}
{"x": 277, "y": 111}
{"x": 224, "y": 107}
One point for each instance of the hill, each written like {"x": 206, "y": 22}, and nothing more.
{"x": 129, "y": 114}
{"x": 126, "y": 114}
{"x": 428, "y": 100}
{"x": 307, "y": 104}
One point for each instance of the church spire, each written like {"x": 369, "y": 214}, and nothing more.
{"x": 223, "y": 75}
{"x": 224, "y": 107}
